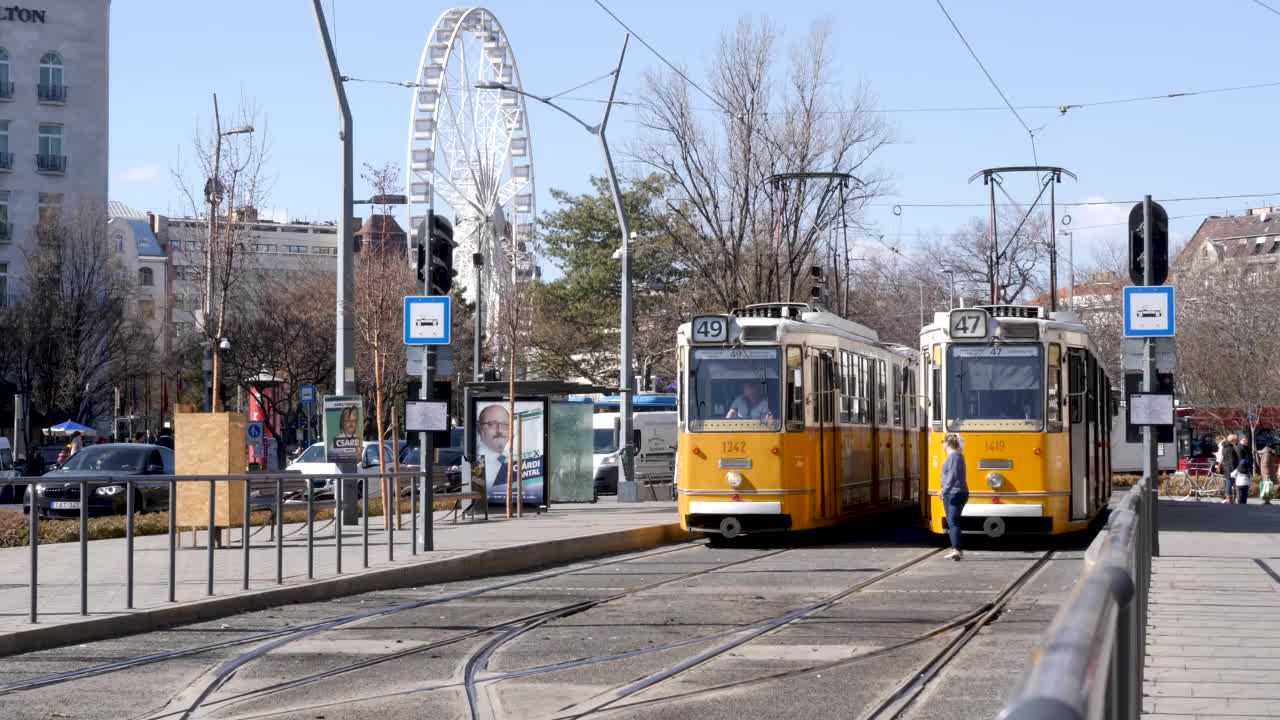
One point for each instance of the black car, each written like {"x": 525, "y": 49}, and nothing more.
{"x": 105, "y": 468}
{"x": 446, "y": 476}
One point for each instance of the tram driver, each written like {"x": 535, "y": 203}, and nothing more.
{"x": 751, "y": 403}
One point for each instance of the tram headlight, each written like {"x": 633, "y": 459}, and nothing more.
{"x": 733, "y": 478}
{"x": 995, "y": 480}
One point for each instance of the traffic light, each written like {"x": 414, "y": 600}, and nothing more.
{"x": 439, "y": 260}
{"x": 1159, "y": 245}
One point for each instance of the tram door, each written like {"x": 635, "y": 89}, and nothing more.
{"x": 1079, "y": 398}
{"x": 829, "y": 435}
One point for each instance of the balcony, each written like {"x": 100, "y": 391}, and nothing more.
{"x": 53, "y": 94}
{"x": 55, "y": 164}
{"x": 6, "y": 161}
{"x": 6, "y": 233}
{"x": 6, "y": 91}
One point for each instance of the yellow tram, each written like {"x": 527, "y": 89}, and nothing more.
{"x": 1033, "y": 405}
{"x": 793, "y": 418}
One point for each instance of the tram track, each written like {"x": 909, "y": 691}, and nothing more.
{"x": 299, "y": 630}
{"x": 511, "y": 629}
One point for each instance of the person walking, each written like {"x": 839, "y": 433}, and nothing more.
{"x": 1244, "y": 470}
{"x": 955, "y": 491}
{"x": 1268, "y": 469}
{"x": 77, "y": 443}
{"x": 1227, "y": 465}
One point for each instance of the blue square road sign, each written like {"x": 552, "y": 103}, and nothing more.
{"x": 1148, "y": 311}
{"x": 427, "y": 320}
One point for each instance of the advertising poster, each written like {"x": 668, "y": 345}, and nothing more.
{"x": 496, "y": 445}
{"x": 343, "y": 420}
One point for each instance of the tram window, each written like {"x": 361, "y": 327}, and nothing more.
{"x": 1053, "y": 409}
{"x": 737, "y": 390}
{"x": 882, "y": 396}
{"x": 861, "y": 401}
{"x": 795, "y": 388}
{"x": 995, "y": 383}
{"x": 936, "y": 399}
{"x": 846, "y": 389}
{"x": 897, "y": 400}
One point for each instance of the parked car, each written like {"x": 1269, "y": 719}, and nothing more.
{"x": 106, "y": 466}
{"x": 446, "y": 475}
{"x": 312, "y": 462}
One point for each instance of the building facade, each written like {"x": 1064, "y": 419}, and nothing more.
{"x": 135, "y": 243}
{"x": 53, "y": 118}
{"x": 1250, "y": 242}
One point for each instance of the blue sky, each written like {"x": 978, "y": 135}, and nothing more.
{"x": 168, "y": 57}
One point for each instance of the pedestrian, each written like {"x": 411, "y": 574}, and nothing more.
{"x": 35, "y": 461}
{"x": 77, "y": 442}
{"x": 1268, "y": 469}
{"x": 1244, "y": 470}
{"x": 1227, "y": 466}
{"x": 955, "y": 491}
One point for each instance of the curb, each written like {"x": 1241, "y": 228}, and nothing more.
{"x": 485, "y": 563}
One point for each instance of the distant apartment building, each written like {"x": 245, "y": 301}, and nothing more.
{"x": 1250, "y": 241}
{"x": 53, "y": 119}
{"x": 134, "y": 242}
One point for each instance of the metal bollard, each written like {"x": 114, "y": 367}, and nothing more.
{"x": 279, "y": 531}
{"x": 84, "y": 547}
{"x": 244, "y": 535}
{"x": 212, "y": 530}
{"x": 173, "y": 537}
{"x": 311, "y": 530}
{"x": 413, "y": 516}
{"x": 33, "y": 537}
{"x": 364, "y": 521}
{"x": 129, "y": 509}
{"x": 390, "y": 512}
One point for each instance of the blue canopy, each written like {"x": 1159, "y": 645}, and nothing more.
{"x": 71, "y": 426}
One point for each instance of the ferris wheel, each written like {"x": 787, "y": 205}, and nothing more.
{"x": 471, "y": 153}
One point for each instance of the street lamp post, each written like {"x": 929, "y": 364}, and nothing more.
{"x": 1071, "y": 268}
{"x": 626, "y": 376}
{"x": 213, "y": 193}
{"x": 951, "y": 288}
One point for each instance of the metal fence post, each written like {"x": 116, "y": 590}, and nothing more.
{"x": 337, "y": 522}
{"x": 311, "y": 530}
{"x": 413, "y": 516}
{"x": 387, "y": 511}
{"x": 129, "y": 509}
{"x": 364, "y": 520}
{"x": 212, "y": 530}
{"x": 33, "y": 537}
{"x": 279, "y": 519}
{"x": 173, "y": 537}
{"x": 244, "y": 533}
{"x": 84, "y": 547}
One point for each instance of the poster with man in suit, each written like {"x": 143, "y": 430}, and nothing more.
{"x": 497, "y": 439}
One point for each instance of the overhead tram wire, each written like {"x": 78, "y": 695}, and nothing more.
{"x": 1081, "y": 203}
{"x": 1264, "y": 5}
{"x": 1031, "y": 135}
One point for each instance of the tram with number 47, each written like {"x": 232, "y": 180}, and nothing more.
{"x": 1033, "y": 406}
{"x": 793, "y": 418}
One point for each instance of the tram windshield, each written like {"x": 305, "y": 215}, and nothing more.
{"x": 735, "y": 390}
{"x": 995, "y": 387}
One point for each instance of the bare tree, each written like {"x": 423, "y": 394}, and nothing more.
{"x": 383, "y": 279}
{"x": 1020, "y": 248}
{"x": 232, "y": 188}
{"x": 743, "y": 238}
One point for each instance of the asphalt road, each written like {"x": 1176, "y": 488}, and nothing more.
{"x": 814, "y": 627}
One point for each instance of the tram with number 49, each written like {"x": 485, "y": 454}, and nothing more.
{"x": 1033, "y": 406}
{"x": 792, "y": 418}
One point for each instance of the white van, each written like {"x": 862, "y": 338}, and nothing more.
{"x": 655, "y": 459}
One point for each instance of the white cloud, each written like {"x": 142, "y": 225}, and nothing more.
{"x": 144, "y": 174}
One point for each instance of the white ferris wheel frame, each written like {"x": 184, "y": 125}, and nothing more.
{"x": 479, "y": 160}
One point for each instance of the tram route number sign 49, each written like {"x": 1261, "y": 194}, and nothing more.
{"x": 710, "y": 329}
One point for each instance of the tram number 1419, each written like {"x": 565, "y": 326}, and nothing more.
{"x": 710, "y": 328}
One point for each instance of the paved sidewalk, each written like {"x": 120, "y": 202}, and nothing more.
{"x": 465, "y": 550}
{"x": 1213, "y": 643}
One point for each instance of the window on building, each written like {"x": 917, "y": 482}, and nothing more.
{"x": 1257, "y": 245}
{"x": 6, "y": 87}
{"x": 4, "y": 284}
{"x": 52, "y": 86}
{"x": 146, "y": 309}
{"x": 48, "y": 208}
{"x": 146, "y": 277}
{"x": 5, "y": 230}
{"x": 50, "y": 140}
{"x": 4, "y": 144}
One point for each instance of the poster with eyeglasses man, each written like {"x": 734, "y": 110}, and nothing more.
{"x": 496, "y": 441}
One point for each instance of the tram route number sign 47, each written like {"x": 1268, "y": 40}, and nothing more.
{"x": 710, "y": 329}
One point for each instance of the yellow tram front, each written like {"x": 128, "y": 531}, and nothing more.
{"x": 1031, "y": 404}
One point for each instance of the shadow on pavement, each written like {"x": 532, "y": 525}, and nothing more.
{"x": 1218, "y": 517}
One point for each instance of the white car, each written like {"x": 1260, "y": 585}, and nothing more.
{"x": 313, "y": 462}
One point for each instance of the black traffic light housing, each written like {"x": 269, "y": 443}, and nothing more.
{"x": 1159, "y": 245}
{"x": 439, "y": 256}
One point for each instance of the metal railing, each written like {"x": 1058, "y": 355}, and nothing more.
{"x": 6, "y": 90}
{"x": 1090, "y": 662}
{"x": 6, "y": 161}
{"x": 51, "y": 163}
{"x": 52, "y": 93}
{"x": 264, "y": 492}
